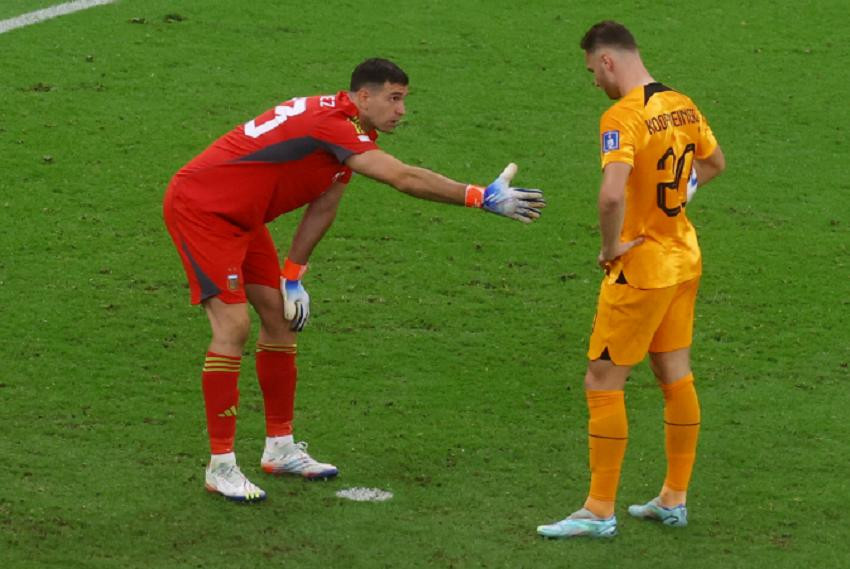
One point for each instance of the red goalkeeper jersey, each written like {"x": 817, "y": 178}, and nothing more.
{"x": 275, "y": 163}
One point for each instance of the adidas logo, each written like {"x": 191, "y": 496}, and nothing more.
{"x": 229, "y": 412}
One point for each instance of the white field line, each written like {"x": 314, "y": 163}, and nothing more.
{"x": 48, "y": 13}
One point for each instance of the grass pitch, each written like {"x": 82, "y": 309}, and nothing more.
{"x": 445, "y": 355}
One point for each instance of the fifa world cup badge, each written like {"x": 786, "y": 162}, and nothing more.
{"x": 610, "y": 140}
{"x": 233, "y": 282}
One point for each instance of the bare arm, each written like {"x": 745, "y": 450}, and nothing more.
{"x": 710, "y": 167}
{"x": 417, "y": 182}
{"x": 314, "y": 223}
{"x": 612, "y": 209}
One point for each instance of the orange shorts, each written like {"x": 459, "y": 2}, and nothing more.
{"x": 220, "y": 258}
{"x": 630, "y": 321}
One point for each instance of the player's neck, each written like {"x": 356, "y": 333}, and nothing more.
{"x": 364, "y": 122}
{"x": 635, "y": 77}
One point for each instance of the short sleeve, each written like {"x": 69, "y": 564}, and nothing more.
{"x": 616, "y": 138}
{"x": 342, "y": 137}
{"x": 707, "y": 144}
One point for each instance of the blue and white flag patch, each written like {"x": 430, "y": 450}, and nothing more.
{"x": 610, "y": 140}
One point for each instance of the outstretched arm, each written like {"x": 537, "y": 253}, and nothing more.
{"x": 499, "y": 197}
{"x": 417, "y": 182}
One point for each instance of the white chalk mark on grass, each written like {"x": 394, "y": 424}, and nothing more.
{"x": 359, "y": 494}
{"x": 47, "y": 13}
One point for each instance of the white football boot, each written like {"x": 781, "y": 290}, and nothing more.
{"x": 226, "y": 479}
{"x": 292, "y": 458}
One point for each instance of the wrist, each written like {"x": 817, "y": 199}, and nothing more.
{"x": 474, "y": 196}
{"x": 292, "y": 271}
{"x": 608, "y": 252}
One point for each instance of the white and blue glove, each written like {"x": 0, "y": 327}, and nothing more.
{"x": 692, "y": 185}
{"x": 296, "y": 301}
{"x": 500, "y": 197}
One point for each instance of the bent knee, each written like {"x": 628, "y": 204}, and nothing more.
{"x": 669, "y": 367}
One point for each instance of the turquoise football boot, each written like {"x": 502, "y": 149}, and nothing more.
{"x": 582, "y": 523}
{"x": 676, "y": 517}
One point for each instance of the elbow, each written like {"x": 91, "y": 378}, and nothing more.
{"x": 719, "y": 161}
{"x": 609, "y": 203}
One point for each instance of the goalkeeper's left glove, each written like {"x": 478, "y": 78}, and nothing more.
{"x": 500, "y": 197}
{"x": 296, "y": 301}
{"x": 692, "y": 184}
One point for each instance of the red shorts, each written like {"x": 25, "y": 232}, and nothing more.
{"x": 220, "y": 258}
{"x": 631, "y": 322}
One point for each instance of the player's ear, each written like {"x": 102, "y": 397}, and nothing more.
{"x": 362, "y": 94}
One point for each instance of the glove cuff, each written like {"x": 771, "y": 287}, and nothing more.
{"x": 474, "y": 196}
{"x": 292, "y": 271}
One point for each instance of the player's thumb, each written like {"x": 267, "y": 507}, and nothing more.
{"x": 635, "y": 242}
{"x": 509, "y": 172}
{"x": 288, "y": 309}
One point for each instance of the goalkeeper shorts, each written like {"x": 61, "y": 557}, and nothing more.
{"x": 630, "y": 321}
{"x": 220, "y": 258}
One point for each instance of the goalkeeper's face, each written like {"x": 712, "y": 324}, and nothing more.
{"x": 382, "y": 107}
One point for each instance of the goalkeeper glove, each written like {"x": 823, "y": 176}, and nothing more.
{"x": 296, "y": 301}
{"x": 500, "y": 197}
{"x": 692, "y": 185}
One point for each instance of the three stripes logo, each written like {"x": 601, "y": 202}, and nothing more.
{"x": 222, "y": 363}
{"x": 229, "y": 412}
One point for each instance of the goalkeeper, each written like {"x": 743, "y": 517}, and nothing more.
{"x": 301, "y": 152}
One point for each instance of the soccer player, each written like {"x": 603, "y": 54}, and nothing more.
{"x": 301, "y": 152}
{"x": 651, "y": 137}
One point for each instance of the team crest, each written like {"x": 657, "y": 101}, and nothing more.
{"x": 610, "y": 140}
{"x": 233, "y": 282}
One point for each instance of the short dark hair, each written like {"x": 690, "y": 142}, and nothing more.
{"x": 608, "y": 33}
{"x": 377, "y": 71}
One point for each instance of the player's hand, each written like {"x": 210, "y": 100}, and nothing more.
{"x": 605, "y": 258}
{"x": 296, "y": 303}
{"x": 517, "y": 203}
{"x": 692, "y": 185}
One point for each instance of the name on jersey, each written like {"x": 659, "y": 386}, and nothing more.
{"x": 664, "y": 121}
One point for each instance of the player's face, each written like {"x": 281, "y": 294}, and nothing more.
{"x": 601, "y": 65}
{"x": 383, "y": 107}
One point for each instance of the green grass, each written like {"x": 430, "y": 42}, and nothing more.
{"x": 445, "y": 355}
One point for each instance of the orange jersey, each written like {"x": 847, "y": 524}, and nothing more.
{"x": 659, "y": 133}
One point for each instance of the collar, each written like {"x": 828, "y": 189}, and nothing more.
{"x": 347, "y": 106}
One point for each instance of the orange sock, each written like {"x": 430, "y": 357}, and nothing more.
{"x": 219, "y": 382}
{"x": 608, "y": 434}
{"x": 681, "y": 429}
{"x": 277, "y": 374}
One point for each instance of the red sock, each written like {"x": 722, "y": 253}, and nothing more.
{"x": 221, "y": 399}
{"x": 277, "y": 374}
